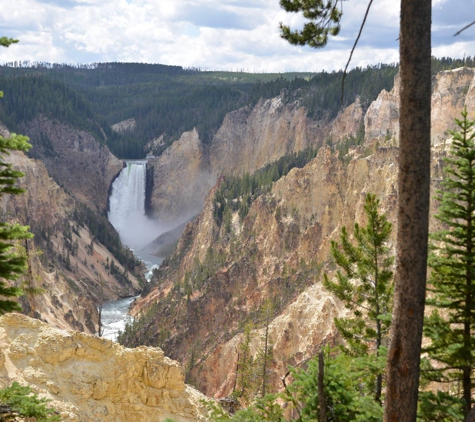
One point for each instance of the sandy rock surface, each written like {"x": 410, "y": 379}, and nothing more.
{"x": 93, "y": 379}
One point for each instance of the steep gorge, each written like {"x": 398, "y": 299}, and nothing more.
{"x": 77, "y": 161}
{"x": 65, "y": 257}
{"x": 216, "y": 281}
{"x": 248, "y": 139}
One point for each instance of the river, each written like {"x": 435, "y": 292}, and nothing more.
{"x": 136, "y": 230}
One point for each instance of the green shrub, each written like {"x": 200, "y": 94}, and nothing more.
{"x": 18, "y": 400}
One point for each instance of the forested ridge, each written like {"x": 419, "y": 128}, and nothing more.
{"x": 169, "y": 100}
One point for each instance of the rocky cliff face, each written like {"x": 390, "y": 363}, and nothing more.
{"x": 74, "y": 159}
{"x": 93, "y": 379}
{"x": 250, "y": 139}
{"x": 180, "y": 180}
{"x": 217, "y": 281}
{"x": 247, "y": 140}
{"x": 127, "y": 125}
{"x": 75, "y": 276}
{"x": 452, "y": 91}
{"x": 277, "y": 254}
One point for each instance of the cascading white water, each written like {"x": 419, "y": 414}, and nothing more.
{"x": 127, "y": 207}
{"x": 127, "y": 215}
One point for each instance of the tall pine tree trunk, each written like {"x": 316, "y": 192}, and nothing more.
{"x": 413, "y": 211}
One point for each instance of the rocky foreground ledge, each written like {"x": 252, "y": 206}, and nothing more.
{"x": 94, "y": 379}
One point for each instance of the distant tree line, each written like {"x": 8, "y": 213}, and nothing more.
{"x": 169, "y": 100}
{"x": 166, "y": 101}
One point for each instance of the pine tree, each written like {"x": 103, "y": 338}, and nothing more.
{"x": 451, "y": 325}
{"x": 18, "y": 401}
{"x": 245, "y": 370}
{"x": 264, "y": 356}
{"x": 324, "y": 16}
{"x": 12, "y": 264}
{"x": 364, "y": 284}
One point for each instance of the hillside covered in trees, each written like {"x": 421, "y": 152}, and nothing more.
{"x": 168, "y": 100}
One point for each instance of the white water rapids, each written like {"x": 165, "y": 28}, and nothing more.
{"x": 127, "y": 215}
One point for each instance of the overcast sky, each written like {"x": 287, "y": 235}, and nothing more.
{"x": 213, "y": 34}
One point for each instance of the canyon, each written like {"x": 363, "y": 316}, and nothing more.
{"x": 65, "y": 257}
{"x": 215, "y": 281}
{"x": 279, "y": 251}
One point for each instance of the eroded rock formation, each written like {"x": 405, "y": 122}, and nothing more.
{"x": 75, "y": 276}
{"x": 93, "y": 379}
{"x": 181, "y": 179}
{"x": 74, "y": 159}
{"x": 279, "y": 251}
{"x": 248, "y": 139}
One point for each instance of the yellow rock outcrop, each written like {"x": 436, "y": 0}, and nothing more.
{"x": 93, "y": 379}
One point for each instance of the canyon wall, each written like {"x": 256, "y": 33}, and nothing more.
{"x": 65, "y": 259}
{"x": 452, "y": 90}
{"x": 75, "y": 160}
{"x": 216, "y": 281}
{"x": 248, "y": 139}
{"x": 180, "y": 179}
{"x": 92, "y": 379}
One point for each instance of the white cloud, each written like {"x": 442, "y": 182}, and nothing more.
{"x": 226, "y": 34}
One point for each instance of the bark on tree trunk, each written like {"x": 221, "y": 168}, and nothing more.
{"x": 471, "y": 416}
{"x": 413, "y": 211}
{"x": 322, "y": 413}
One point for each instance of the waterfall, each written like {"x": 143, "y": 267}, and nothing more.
{"x": 127, "y": 215}
{"x": 127, "y": 207}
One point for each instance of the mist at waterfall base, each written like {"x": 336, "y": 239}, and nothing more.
{"x": 136, "y": 230}
{"x": 127, "y": 207}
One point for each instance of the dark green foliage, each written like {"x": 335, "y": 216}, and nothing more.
{"x": 440, "y": 406}
{"x": 347, "y": 386}
{"x": 166, "y": 100}
{"x": 321, "y": 96}
{"x": 263, "y": 409}
{"x": 237, "y": 193}
{"x": 21, "y": 401}
{"x": 246, "y": 372}
{"x": 447, "y": 63}
{"x": 343, "y": 147}
{"x": 324, "y": 16}
{"x": 142, "y": 330}
{"x": 12, "y": 264}
{"x": 7, "y": 42}
{"x": 264, "y": 356}
{"x": 121, "y": 276}
{"x": 347, "y": 390}
{"x": 451, "y": 324}
{"x": 364, "y": 284}
{"x": 29, "y": 96}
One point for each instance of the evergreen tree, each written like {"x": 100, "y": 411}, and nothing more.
{"x": 18, "y": 401}
{"x": 324, "y": 19}
{"x": 12, "y": 264}
{"x": 364, "y": 284}
{"x": 245, "y": 373}
{"x": 264, "y": 356}
{"x": 451, "y": 325}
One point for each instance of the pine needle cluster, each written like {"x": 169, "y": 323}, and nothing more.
{"x": 451, "y": 324}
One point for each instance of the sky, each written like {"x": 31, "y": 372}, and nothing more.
{"x": 236, "y": 35}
